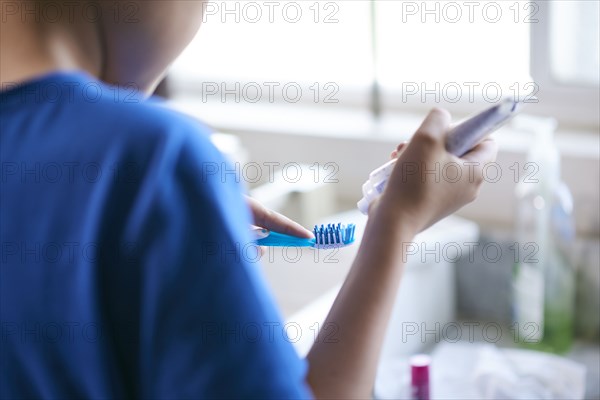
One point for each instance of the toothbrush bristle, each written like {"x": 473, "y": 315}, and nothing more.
{"x": 333, "y": 236}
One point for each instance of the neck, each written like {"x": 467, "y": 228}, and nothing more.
{"x": 29, "y": 49}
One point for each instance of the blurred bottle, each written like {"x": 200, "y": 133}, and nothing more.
{"x": 543, "y": 279}
{"x": 419, "y": 371}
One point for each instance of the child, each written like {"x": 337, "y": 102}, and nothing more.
{"x": 122, "y": 274}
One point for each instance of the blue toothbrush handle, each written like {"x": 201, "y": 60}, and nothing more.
{"x": 275, "y": 239}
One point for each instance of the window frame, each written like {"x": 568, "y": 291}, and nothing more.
{"x": 572, "y": 105}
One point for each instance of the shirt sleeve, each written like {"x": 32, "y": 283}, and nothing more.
{"x": 207, "y": 325}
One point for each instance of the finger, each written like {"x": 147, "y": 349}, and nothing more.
{"x": 276, "y": 222}
{"x": 280, "y": 223}
{"x": 398, "y": 150}
{"x": 434, "y": 126}
{"x": 485, "y": 152}
{"x": 401, "y": 146}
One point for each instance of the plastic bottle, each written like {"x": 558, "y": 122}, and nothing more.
{"x": 543, "y": 279}
{"x": 419, "y": 371}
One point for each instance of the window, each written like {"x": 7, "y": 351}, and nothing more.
{"x": 564, "y": 60}
{"x": 575, "y": 42}
{"x": 270, "y": 51}
{"x": 452, "y": 52}
{"x": 391, "y": 55}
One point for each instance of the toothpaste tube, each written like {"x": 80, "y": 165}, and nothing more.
{"x": 459, "y": 141}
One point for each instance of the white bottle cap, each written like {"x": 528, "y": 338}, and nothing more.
{"x": 366, "y": 187}
{"x": 363, "y": 206}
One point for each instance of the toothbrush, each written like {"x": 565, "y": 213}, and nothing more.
{"x": 326, "y": 237}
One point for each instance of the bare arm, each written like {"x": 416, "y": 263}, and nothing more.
{"x": 411, "y": 203}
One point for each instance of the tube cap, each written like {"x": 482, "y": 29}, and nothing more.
{"x": 363, "y": 206}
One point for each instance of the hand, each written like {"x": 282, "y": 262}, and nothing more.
{"x": 428, "y": 183}
{"x": 274, "y": 221}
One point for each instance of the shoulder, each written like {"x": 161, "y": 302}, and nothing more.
{"x": 179, "y": 172}
{"x": 148, "y": 132}
{"x": 143, "y": 120}
{"x": 166, "y": 161}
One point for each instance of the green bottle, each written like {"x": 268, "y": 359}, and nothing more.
{"x": 543, "y": 279}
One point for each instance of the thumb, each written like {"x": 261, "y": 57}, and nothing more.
{"x": 274, "y": 221}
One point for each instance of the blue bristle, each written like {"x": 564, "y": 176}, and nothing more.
{"x": 334, "y": 235}
{"x": 349, "y": 233}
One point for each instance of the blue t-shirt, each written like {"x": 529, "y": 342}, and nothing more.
{"x": 125, "y": 264}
